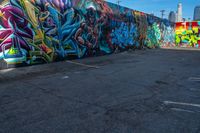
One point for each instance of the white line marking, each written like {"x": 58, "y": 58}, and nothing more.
{"x": 194, "y": 79}
{"x": 194, "y": 89}
{"x": 182, "y": 110}
{"x": 81, "y": 64}
{"x": 180, "y": 103}
{"x": 180, "y": 48}
{"x": 6, "y": 70}
{"x": 65, "y": 77}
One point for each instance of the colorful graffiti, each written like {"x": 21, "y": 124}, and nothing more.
{"x": 43, "y": 31}
{"x": 188, "y": 34}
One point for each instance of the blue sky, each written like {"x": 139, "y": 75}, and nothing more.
{"x": 154, "y": 6}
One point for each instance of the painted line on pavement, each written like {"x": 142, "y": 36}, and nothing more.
{"x": 194, "y": 89}
{"x": 197, "y": 79}
{"x": 182, "y": 110}
{"x": 81, "y": 64}
{"x": 65, "y": 77}
{"x": 181, "y": 103}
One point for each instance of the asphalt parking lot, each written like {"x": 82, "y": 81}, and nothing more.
{"x": 142, "y": 91}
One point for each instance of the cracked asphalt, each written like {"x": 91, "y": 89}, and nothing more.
{"x": 146, "y": 91}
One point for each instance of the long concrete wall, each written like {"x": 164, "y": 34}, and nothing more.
{"x": 43, "y": 31}
{"x": 188, "y": 34}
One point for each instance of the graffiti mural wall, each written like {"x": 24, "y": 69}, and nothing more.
{"x": 188, "y": 34}
{"x": 43, "y": 31}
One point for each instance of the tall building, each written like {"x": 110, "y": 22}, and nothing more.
{"x": 197, "y": 13}
{"x": 179, "y": 13}
{"x": 172, "y": 16}
{"x": 176, "y": 16}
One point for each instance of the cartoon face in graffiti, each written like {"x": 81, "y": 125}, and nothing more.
{"x": 87, "y": 34}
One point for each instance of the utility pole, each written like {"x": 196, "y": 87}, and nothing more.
{"x": 152, "y": 13}
{"x": 118, "y": 1}
{"x": 162, "y": 13}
